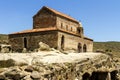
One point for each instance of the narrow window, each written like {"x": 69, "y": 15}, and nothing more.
{"x": 71, "y": 29}
{"x": 25, "y": 42}
{"x": 62, "y": 42}
{"x": 78, "y": 30}
{"x": 61, "y": 25}
{"x": 79, "y": 48}
{"x": 67, "y": 27}
{"x": 84, "y": 48}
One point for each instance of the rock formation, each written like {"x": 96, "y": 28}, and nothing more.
{"x": 50, "y": 65}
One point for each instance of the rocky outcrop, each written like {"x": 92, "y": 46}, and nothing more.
{"x": 54, "y": 66}
{"x": 5, "y": 48}
{"x": 43, "y": 47}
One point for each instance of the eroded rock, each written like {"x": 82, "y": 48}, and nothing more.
{"x": 43, "y": 47}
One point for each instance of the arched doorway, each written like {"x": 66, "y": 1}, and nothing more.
{"x": 114, "y": 75}
{"x": 79, "y": 48}
{"x": 62, "y": 42}
{"x": 25, "y": 42}
{"x": 84, "y": 48}
{"x": 99, "y": 76}
{"x": 86, "y": 76}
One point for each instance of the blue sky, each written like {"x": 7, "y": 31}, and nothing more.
{"x": 100, "y": 18}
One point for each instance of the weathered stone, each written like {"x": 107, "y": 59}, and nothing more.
{"x": 29, "y": 69}
{"x": 5, "y": 48}
{"x": 35, "y": 75}
{"x": 80, "y": 69}
{"x": 7, "y": 63}
{"x": 43, "y": 47}
{"x": 2, "y": 77}
{"x": 27, "y": 78}
{"x": 23, "y": 74}
{"x": 13, "y": 75}
{"x": 24, "y": 50}
{"x": 2, "y": 69}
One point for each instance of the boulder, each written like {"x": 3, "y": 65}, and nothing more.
{"x": 13, "y": 75}
{"x": 5, "y": 48}
{"x": 29, "y": 69}
{"x": 27, "y": 78}
{"x": 24, "y": 50}
{"x": 2, "y": 77}
{"x": 35, "y": 75}
{"x": 43, "y": 47}
{"x": 7, "y": 63}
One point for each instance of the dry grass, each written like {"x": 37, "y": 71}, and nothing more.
{"x": 109, "y": 47}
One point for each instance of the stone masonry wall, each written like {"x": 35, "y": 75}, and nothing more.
{"x": 72, "y": 26}
{"x": 89, "y": 45}
{"x": 71, "y": 42}
{"x": 44, "y": 19}
{"x": 33, "y": 39}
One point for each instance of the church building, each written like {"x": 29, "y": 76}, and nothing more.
{"x": 54, "y": 28}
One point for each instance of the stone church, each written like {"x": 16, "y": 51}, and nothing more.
{"x": 54, "y": 28}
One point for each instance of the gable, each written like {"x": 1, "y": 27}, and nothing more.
{"x": 42, "y": 12}
{"x": 44, "y": 18}
{"x": 44, "y": 8}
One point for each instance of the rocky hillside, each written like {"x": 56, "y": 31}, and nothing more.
{"x": 51, "y": 64}
{"x": 3, "y": 38}
{"x": 112, "y": 46}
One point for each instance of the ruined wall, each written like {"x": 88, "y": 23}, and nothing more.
{"x": 72, "y": 42}
{"x": 44, "y": 19}
{"x": 33, "y": 39}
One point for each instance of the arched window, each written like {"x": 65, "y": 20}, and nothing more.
{"x": 79, "y": 47}
{"x": 62, "y": 42}
{"x": 25, "y": 42}
{"x": 84, "y": 48}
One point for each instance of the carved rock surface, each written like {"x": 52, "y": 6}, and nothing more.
{"x": 50, "y": 65}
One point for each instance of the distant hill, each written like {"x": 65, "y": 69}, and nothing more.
{"x": 3, "y": 38}
{"x": 111, "y": 46}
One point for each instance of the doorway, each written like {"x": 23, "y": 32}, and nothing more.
{"x": 99, "y": 76}
{"x": 84, "y": 48}
{"x": 25, "y": 42}
{"x": 86, "y": 76}
{"x": 79, "y": 48}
